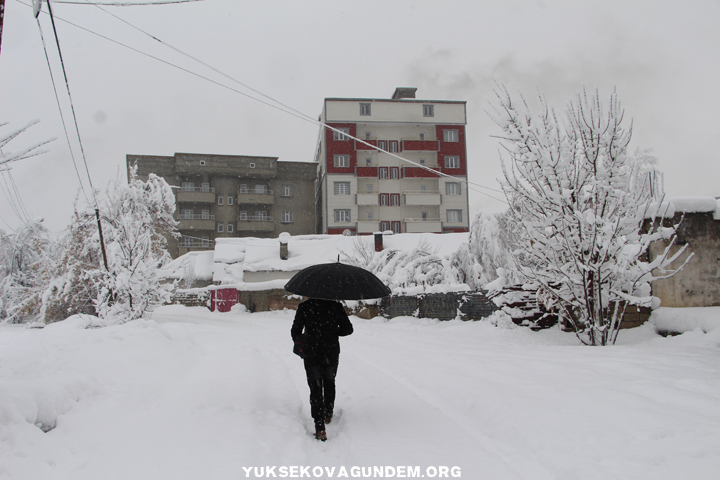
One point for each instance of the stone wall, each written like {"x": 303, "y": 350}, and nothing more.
{"x": 698, "y": 284}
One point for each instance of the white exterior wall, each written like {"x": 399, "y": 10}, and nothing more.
{"x": 393, "y": 111}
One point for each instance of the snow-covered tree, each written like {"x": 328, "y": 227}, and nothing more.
{"x": 579, "y": 200}
{"x": 25, "y": 266}
{"x": 137, "y": 218}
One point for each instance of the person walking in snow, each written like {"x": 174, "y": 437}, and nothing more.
{"x": 322, "y": 322}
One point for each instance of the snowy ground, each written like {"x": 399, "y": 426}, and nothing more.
{"x": 191, "y": 394}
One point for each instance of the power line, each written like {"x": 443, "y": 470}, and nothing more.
{"x": 62, "y": 117}
{"x": 126, "y": 4}
{"x": 278, "y": 105}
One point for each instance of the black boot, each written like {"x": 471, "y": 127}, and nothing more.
{"x": 320, "y": 432}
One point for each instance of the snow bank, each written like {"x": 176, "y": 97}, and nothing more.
{"x": 192, "y": 394}
{"x": 197, "y": 265}
{"x": 681, "y": 320}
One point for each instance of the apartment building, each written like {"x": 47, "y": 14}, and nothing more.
{"x": 364, "y": 187}
{"x": 234, "y": 196}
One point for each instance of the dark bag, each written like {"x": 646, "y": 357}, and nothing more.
{"x": 301, "y": 347}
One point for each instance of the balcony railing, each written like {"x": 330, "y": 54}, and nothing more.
{"x": 255, "y": 218}
{"x": 422, "y": 220}
{"x": 197, "y": 189}
{"x": 196, "y": 216}
{"x": 256, "y": 191}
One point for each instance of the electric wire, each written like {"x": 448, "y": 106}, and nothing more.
{"x": 126, "y": 4}
{"x": 21, "y": 204}
{"x": 285, "y": 106}
{"x": 62, "y": 117}
{"x": 280, "y": 106}
{"x": 72, "y": 106}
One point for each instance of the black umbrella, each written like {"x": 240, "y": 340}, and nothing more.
{"x": 336, "y": 281}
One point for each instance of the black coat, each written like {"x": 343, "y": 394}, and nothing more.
{"x": 322, "y": 321}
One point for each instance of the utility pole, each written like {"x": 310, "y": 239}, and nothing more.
{"x": 2, "y": 15}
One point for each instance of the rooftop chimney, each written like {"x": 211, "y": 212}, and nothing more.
{"x": 404, "y": 92}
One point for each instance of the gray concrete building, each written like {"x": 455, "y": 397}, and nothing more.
{"x": 233, "y": 196}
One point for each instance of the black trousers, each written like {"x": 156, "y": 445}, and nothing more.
{"x": 321, "y": 373}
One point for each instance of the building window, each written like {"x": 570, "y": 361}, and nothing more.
{"x": 287, "y": 217}
{"x": 367, "y": 135}
{"x": 243, "y": 216}
{"x": 220, "y": 227}
{"x": 342, "y": 216}
{"x": 229, "y": 227}
{"x": 220, "y": 199}
{"x": 187, "y": 186}
{"x": 186, "y": 214}
{"x": 287, "y": 191}
{"x": 383, "y": 172}
{"x": 369, "y": 188}
{"x": 341, "y": 161}
{"x": 186, "y": 241}
{"x": 342, "y": 188}
{"x": 422, "y": 136}
{"x": 205, "y": 187}
{"x": 452, "y": 161}
{"x": 341, "y": 134}
{"x": 261, "y": 189}
{"x": 230, "y": 200}
{"x": 452, "y": 188}
{"x": 370, "y": 215}
{"x": 394, "y": 172}
{"x": 424, "y": 215}
{"x": 243, "y": 188}
{"x": 205, "y": 242}
{"x": 368, "y": 162}
{"x": 382, "y": 145}
{"x": 395, "y": 199}
{"x": 393, "y": 146}
{"x": 450, "y": 135}
{"x": 395, "y": 227}
{"x": 428, "y": 110}
{"x": 205, "y": 215}
{"x": 384, "y": 226}
{"x": 384, "y": 199}
{"x": 454, "y": 216}
{"x": 262, "y": 216}
{"x": 423, "y": 187}
{"x": 364, "y": 109}
{"x": 422, "y": 161}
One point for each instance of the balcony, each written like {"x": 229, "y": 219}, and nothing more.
{"x": 255, "y": 224}
{"x": 362, "y": 146}
{"x": 419, "y": 172}
{"x": 366, "y": 199}
{"x": 255, "y": 197}
{"x": 368, "y": 226}
{"x": 196, "y": 195}
{"x": 422, "y": 197}
{"x": 423, "y": 225}
{"x": 196, "y": 222}
{"x": 419, "y": 145}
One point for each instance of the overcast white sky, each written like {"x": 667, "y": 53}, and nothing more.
{"x": 661, "y": 55}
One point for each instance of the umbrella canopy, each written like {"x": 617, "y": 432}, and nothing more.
{"x": 336, "y": 281}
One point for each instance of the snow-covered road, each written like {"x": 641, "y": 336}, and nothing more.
{"x": 190, "y": 394}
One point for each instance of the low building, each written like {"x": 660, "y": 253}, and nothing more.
{"x": 221, "y": 196}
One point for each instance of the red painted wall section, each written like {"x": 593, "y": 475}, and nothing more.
{"x": 340, "y": 147}
{"x": 369, "y": 172}
{"x": 362, "y": 146}
{"x": 455, "y": 230}
{"x": 416, "y": 172}
{"x": 223, "y": 299}
{"x": 419, "y": 145}
{"x": 452, "y": 148}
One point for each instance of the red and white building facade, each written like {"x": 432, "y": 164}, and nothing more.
{"x": 366, "y": 188}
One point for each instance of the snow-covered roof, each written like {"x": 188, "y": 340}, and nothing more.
{"x": 198, "y": 265}
{"x": 675, "y": 205}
